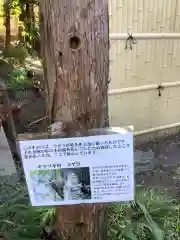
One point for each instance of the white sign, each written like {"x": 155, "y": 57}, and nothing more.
{"x": 94, "y": 169}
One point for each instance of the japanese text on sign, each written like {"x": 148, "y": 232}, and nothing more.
{"x": 79, "y": 170}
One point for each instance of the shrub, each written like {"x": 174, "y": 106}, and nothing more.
{"x": 150, "y": 216}
{"x": 18, "y": 79}
{"x": 18, "y": 219}
{"x": 16, "y": 51}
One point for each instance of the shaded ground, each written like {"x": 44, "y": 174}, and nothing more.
{"x": 32, "y": 111}
{"x": 165, "y": 172}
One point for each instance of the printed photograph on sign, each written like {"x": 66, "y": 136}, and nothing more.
{"x": 61, "y": 184}
{"x": 93, "y": 169}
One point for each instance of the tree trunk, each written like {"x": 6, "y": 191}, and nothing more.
{"x": 21, "y": 27}
{"x": 75, "y": 38}
{"x": 20, "y": 35}
{"x": 29, "y": 22}
{"x": 7, "y": 24}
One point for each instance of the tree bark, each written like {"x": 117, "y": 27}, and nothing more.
{"x": 29, "y": 22}
{"x": 75, "y": 44}
{"x": 7, "y": 24}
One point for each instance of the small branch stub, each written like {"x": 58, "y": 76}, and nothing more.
{"x": 74, "y": 43}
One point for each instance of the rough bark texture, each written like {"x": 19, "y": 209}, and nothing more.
{"x": 75, "y": 38}
{"x": 29, "y": 23}
{"x": 7, "y": 24}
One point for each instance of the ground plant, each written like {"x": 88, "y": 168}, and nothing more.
{"x": 150, "y": 216}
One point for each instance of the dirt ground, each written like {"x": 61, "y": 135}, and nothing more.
{"x": 165, "y": 176}
{"x": 33, "y": 110}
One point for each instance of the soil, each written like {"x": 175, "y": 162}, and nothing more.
{"x": 33, "y": 109}
{"x": 165, "y": 176}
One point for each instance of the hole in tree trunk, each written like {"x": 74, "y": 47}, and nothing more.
{"x": 75, "y": 43}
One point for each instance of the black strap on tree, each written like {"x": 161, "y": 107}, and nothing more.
{"x": 131, "y": 40}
